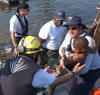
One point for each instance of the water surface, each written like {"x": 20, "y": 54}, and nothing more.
{"x": 43, "y": 10}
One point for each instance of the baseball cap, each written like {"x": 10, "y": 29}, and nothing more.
{"x": 60, "y": 15}
{"x": 75, "y": 20}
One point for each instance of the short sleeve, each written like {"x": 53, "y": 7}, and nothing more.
{"x": 90, "y": 40}
{"x": 13, "y": 24}
{"x": 65, "y": 43}
{"x": 44, "y": 31}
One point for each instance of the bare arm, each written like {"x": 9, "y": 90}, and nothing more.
{"x": 77, "y": 57}
{"x": 41, "y": 40}
{"x": 13, "y": 38}
{"x": 66, "y": 77}
{"x": 63, "y": 49}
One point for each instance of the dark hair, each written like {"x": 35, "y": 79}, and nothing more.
{"x": 23, "y": 6}
{"x": 81, "y": 43}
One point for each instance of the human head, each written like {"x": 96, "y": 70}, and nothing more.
{"x": 23, "y": 9}
{"x": 74, "y": 25}
{"x": 80, "y": 45}
{"x": 59, "y": 17}
{"x": 29, "y": 45}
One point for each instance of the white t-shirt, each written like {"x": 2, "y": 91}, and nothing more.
{"x": 42, "y": 79}
{"x": 52, "y": 34}
{"x": 15, "y": 25}
{"x": 96, "y": 62}
{"x": 92, "y": 62}
{"x": 67, "y": 41}
{"x": 88, "y": 61}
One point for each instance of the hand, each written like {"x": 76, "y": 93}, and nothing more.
{"x": 77, "y": 57}
{"x": 78, "y": 68}
{"x": 50, "y": 71}
{"x": 47, "y": 69}
{"x": 16, "y": 52}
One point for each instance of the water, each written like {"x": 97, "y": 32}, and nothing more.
{"x": 42, "y": 11}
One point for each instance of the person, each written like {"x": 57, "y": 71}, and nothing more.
{"x": 22, "y": 73}
{"x": 51, "y": 35}
{"x": 67, "y": 63}
{"x": 75, "y": 29}
{"x": 19, "y": 25}
{"x": 96, "y": 88}
{"x": 87, "y": 80}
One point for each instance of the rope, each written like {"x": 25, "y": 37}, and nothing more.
{"x": 97, "y": 20}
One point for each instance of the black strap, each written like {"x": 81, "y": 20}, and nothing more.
{"x": 24, "y": 27}
{"x": 32, "y": 49}
{"x": 85, "y": 34}
{"x": 69, "y": 48}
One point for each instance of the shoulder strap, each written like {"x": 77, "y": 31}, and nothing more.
{"x": 26, "y": 21}
{"x": 85, "y": 34}
{"x": 69, "y": 48}
{"x": 24, "y": 27}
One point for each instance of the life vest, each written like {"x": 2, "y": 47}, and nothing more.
{"x": 17, "y": 75}
{"x": 24, "y": 27}
{"x": 96, "y": 91}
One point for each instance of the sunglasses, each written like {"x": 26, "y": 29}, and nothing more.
{"x": 72, "y": 28}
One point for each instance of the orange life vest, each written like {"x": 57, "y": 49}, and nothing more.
{"x": 96, "y": 91}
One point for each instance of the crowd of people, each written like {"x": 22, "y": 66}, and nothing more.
{"x": 50, "y": 60}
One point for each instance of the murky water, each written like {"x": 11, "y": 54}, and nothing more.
{"x": 42, "y": 11}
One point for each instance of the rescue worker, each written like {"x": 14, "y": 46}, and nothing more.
{"x": 51, "y": 35}
{"x": 19, "y": 25}
{"x": 23, "y": 74}
{"x": 75, "y": 28}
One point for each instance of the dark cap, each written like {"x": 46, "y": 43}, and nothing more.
{"x": 75, "y": 20}
{"x": 60, "y": 15}
{"x": 23, "y": 6}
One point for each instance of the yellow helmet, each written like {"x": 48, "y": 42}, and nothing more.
{"x": 29, "y": 45}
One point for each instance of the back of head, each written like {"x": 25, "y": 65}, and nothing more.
{"x": 29, "y": 45}
{"x": 81, "y": 43}
{"x": 59, "y": 15}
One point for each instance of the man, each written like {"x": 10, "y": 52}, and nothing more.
{"x": 19, "y": 25}
{"x": 75, "y": 29}
{"x": 22, "y": 74}
{"x": 51, "y": 35}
